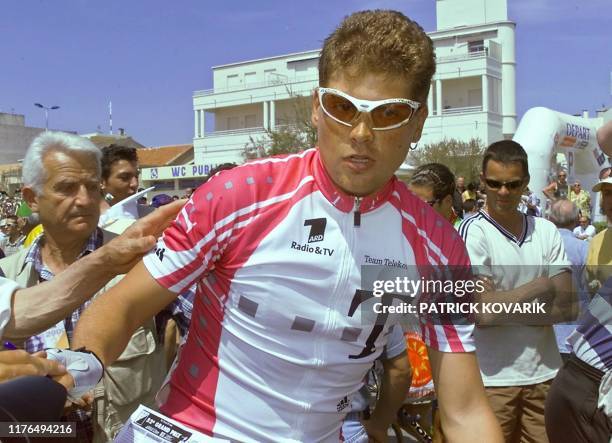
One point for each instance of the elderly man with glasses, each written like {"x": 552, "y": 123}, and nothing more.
{"x": 61, "y": 176}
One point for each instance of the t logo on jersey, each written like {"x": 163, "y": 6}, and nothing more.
{"x": 317, "y": 229}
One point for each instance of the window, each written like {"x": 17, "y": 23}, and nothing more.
{"x": 476, "y": 46}
{"x": 303, "y": 65}
{"x": 232, "y": 80}
{"x": 250, "y": 77}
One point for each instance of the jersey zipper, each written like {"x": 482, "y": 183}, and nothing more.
{"x": 357, "y": 212}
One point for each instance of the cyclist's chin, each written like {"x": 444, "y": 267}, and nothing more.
{"x": 359, "y": 184}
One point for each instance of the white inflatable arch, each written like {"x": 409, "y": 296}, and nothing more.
{"x": 547, "y": 136}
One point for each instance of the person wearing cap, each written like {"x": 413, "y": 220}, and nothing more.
{"x": 600, "y": 249}
{"x": 579, "y": 404}
{"x": 160, "y": 200}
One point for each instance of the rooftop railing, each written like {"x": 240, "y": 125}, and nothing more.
{"x": 242, "y": 86}
{"x": 464, "y": 110}
{"x": 466, "y": 56}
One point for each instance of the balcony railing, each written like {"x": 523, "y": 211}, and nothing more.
{"x": 243, "y": 86}
{"x": 240, "y": 131}
{"x": 464, "y": 110}
{"x": 465, "y": 56}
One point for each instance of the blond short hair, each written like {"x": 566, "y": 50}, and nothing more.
{"x": 382, "y": 42}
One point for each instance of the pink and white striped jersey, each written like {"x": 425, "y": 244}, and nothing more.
{"x": 276, "y": 349}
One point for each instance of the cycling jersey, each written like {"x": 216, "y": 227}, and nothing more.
{"x": 277, "y": 347}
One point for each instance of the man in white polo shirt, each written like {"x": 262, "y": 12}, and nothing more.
{"x": 522, "y": 258}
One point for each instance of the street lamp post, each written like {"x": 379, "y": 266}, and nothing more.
{"x": 47, "y": 109}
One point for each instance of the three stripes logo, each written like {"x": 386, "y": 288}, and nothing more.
{"x": 160, "y": 253}
{"x": 342, "y": 404}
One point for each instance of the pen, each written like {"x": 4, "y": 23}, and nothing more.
{"x": 9, "y": 346}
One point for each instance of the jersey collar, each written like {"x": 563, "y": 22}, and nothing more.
{"x": 343, "y": 201}
{"x": 518, "y": 240}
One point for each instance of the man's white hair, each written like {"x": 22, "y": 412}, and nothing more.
{"x": 34, "y": 174}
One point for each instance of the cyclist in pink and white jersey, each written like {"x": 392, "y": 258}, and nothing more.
{"x": 277, "y": 346}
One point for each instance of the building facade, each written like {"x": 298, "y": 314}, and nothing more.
{"x": 472, "y": 94}
{"x": 15, "y": 137}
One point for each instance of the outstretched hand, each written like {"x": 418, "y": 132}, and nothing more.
{"x": 124, "y": 251}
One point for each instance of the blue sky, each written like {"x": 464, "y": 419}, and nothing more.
{"x": 148, "y": 56}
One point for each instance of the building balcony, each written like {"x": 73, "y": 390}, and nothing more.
{"x": 467, "y": 56}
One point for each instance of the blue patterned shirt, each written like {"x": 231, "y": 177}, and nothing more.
{"x": 36, "y": 342}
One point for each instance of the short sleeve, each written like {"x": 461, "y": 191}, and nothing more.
{"x": 396, "y": 343}
{"x": 476, "y": 245}
{"x": 194, "y": 241}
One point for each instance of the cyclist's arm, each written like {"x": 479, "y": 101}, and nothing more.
{"x": 464, "y": 408}
{"x": 394, "y": 387}
{"x": 107, "y": 325}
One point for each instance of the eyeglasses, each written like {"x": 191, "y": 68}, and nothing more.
{"x": 386, "y": 114}
{"x": 510, "y": 186}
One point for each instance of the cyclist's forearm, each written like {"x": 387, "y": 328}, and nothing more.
{"x": 394, "y": 387}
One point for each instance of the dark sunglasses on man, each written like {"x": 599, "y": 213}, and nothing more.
{"x": 510, "y": 186}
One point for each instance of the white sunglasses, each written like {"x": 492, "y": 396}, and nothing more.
{"x": 386, "y": 114}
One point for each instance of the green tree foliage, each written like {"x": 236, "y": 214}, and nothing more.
{"x": 462, "y": 158}
{"x": 293, "y": 134}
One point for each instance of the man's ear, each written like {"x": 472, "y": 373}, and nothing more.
{"x": 30, "y": 197}
{"x": 314, "y": 116}
{"x": 420, "y": 115}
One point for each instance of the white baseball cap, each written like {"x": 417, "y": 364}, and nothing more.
{"x": 603, "y": 181}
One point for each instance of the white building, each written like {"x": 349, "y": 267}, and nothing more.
{"x": 472, "y": 93}
{"x": 248, "y": 97}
